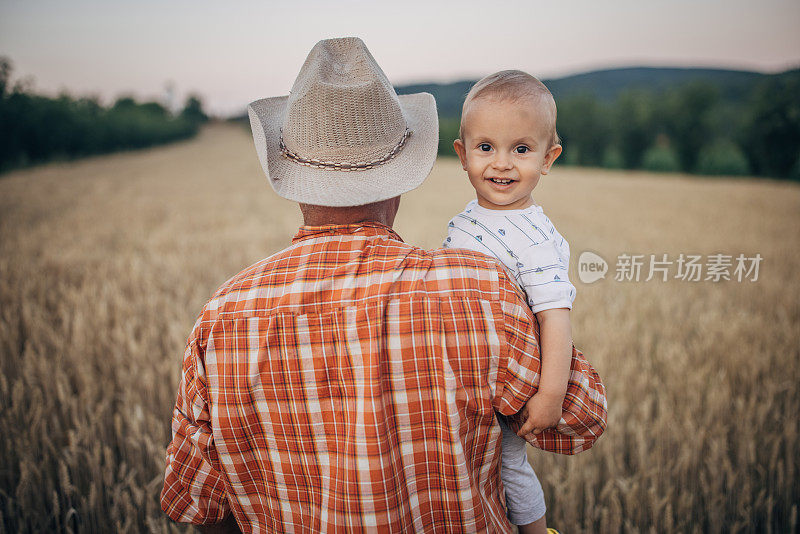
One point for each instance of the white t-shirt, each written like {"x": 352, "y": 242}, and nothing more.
{"x": 528, "y": 245}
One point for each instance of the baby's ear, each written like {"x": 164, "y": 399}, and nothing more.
{"x": 552, "y": 155}
{"x": 461, "y": 152}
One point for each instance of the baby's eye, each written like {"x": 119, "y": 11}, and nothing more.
{"x": 522, "y": 149}
{"x": 485, "y": 147}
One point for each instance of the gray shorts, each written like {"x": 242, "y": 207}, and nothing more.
{"x": 524, "y": 495}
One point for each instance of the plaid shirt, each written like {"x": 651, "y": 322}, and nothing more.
{"x": 350, "y": 382}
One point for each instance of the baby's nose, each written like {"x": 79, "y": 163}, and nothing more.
{"x": 502, "y": 161}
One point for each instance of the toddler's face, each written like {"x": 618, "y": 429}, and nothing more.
{"x": 506, "y": 149}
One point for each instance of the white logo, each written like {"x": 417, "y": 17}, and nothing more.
{"x": 591, "y": 267}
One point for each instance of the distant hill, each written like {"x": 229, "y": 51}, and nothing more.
{"x": 605, "y": 85}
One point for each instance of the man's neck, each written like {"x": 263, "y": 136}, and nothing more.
{"x": 381, "y": 212}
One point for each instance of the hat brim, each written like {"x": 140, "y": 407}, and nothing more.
{"x": 326, "y": 187}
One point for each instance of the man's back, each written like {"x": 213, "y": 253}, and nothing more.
{"x": 350, "y": 382}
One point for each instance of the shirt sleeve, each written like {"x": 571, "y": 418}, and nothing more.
{"x": 544, "y": 274}
{"x": 194, "y": 488}
{"x": 520, "y": 363}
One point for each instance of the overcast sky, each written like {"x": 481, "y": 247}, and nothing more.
{"x": 238, "y": 51}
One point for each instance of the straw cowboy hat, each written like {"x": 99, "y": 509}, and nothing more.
{"x": 343, "y": 137}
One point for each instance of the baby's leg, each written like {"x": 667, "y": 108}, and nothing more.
{"x": 524, "y": 495}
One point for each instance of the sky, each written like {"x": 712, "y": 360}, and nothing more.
{"x": 232, "y": 53}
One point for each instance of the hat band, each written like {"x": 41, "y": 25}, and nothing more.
{"x": 344, "y": 166}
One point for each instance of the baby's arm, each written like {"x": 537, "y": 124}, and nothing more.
{"x": 543, "y": 410}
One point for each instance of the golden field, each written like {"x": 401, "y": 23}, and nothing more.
{"x": 106, "y": 262}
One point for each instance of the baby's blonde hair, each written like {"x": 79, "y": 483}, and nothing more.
{"x": 513, "y": 85}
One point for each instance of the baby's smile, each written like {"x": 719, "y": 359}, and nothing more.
{"x": 501, "y": 183}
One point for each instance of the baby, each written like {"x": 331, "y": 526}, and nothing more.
{"x": 507, "y": 141}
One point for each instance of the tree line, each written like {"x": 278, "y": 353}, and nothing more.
{"x": 691, "y": 128}
{"x": 36, "y": 129}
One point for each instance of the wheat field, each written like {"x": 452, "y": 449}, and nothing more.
{"x": 106, "y": 262}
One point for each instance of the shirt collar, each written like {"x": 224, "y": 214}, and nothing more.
{"x": 365, "y": 228}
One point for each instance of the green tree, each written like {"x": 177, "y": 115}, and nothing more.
{"x": 193, "y": 110}
{"x": 772, "y": 135}
{"x": 687, "y": 120}
{"x": 661, "y": 159}
{"x": 154, "y": 108}
{"x": 584, "y": 129}
{"x": 612, "y": 158}
{"x": 633, "y": 128}
{"x": 5, "y": 74}
{"x": 722, "y": 157}
{"x": 124, "y": 103}
{"x": 448, "y": 132}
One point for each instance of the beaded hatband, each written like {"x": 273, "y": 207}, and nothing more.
{"x": 334, "y": 166}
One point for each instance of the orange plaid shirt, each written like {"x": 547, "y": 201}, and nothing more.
{"x": 350, "y": 382}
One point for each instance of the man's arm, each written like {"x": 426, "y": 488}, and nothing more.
{"x": 518, "y": 377}
{"x": 194, "y": 488}
{"x": 519, "y": 367}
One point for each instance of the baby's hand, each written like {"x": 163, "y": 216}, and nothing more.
{"x": 541, "y": 412}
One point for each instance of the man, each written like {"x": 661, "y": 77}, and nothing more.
{"x": 351, "y": 381}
